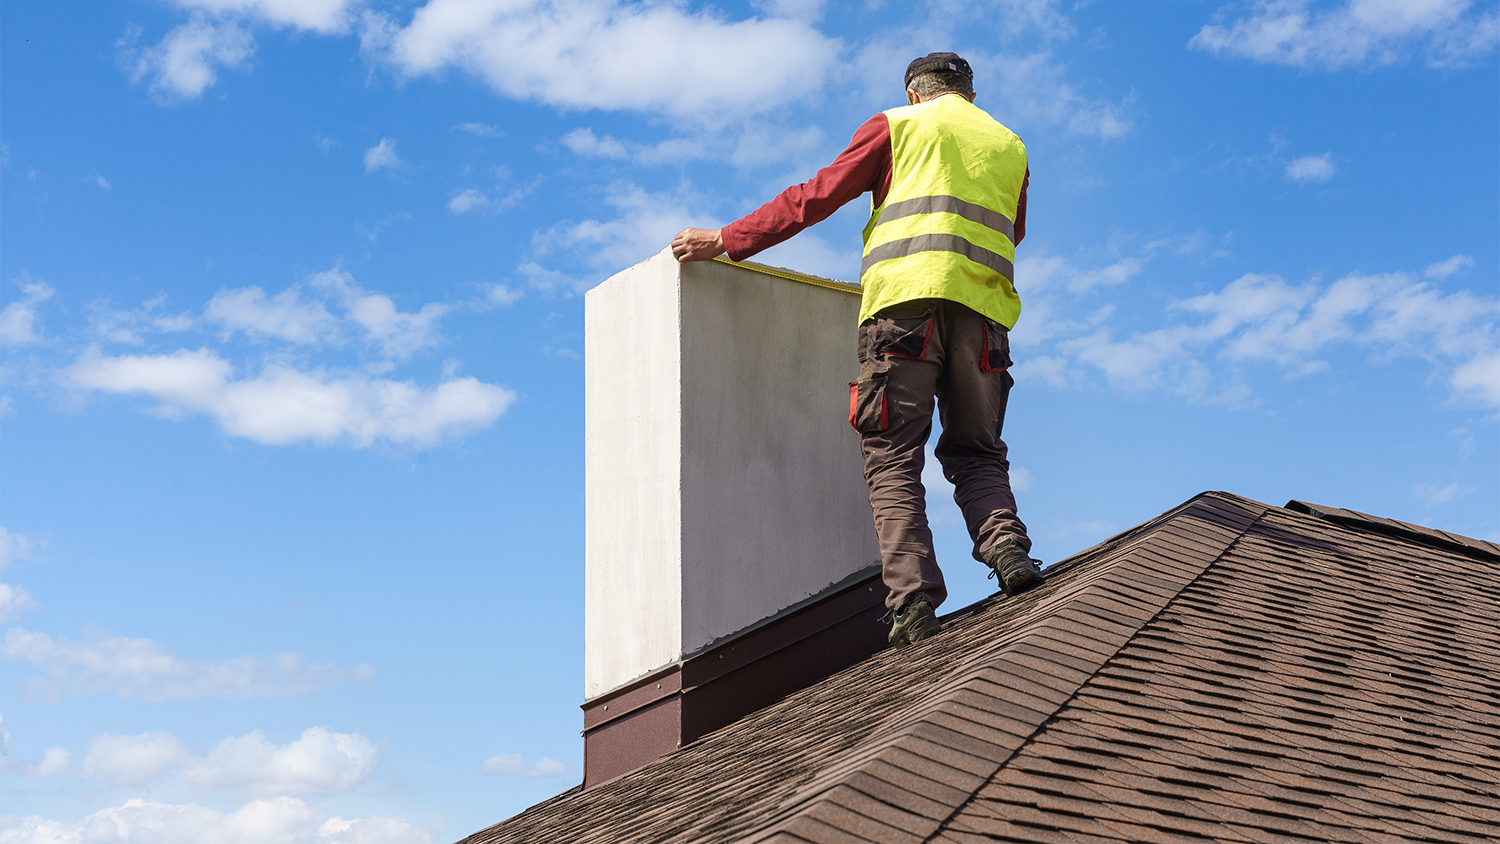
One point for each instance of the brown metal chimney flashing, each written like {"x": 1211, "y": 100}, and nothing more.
{"x": 639, "y": 723}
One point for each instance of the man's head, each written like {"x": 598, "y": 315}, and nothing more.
{"x": 939, "y": 73}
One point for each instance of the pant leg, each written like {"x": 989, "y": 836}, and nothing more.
{"x": 900, "y": 361}
{"x": 972, "y": 396}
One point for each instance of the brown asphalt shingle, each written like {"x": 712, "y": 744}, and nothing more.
{"x": 1227, "y": 672}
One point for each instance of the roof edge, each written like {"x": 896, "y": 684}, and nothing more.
{"x": 1477, "y": 549}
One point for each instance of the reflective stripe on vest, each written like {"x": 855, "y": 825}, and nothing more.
{"x": 945, "y": 229}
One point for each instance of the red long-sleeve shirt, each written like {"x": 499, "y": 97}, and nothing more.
{"x": 864, "y": 166}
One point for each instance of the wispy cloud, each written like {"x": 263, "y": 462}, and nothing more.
{"x": 585, "y": 143}
{"x": 132, "y": 760}
{"x": 284, "y": 819}
{"x": 514, "y": 765}
{"x": 483, "y": 130}
{"x": 14, "y": 602}
{"x": 19, "y": 320}
{"x": 382, "y": 156}
{"x": 143, "y": 669}
{"x": 469, "y": 199}
{"x": 16, "y": 547}
{"x": 217, "y": 36}
{"x": 188, "y": 59}
{"x": 54, "y": 761}
{"x": 1450, "y": 267}
{"x": 286, "y": 316}
{"x": 319, "y": 762}
{"x": 1311, "y": 168}
{"x": 1263, "y": 318}
{"x": 1435, "y": 494}
{"x": 1352, "y": 33}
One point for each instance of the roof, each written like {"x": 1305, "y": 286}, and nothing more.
{"x": 1229, "y": 671}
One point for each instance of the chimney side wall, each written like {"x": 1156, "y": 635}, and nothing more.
{"x": 774, "y": 501}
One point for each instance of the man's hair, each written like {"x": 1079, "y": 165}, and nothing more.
{"x": 939, "y": 81}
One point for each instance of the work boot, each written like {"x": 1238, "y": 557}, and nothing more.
{"x": 1010, "y": 562}
{"x": 914, "y": 622}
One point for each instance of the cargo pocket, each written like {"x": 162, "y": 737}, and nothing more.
{"x": 995, "y": 356}
{"x": 868, "y": 412}
{"x": 901, "y": 336}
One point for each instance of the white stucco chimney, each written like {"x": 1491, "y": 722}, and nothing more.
{"x": 724, "y": 483}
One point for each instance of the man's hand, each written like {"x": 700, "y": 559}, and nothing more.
{"x": 697, "y": 245}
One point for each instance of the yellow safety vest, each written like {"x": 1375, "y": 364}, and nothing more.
{"x": 945, "y": 230}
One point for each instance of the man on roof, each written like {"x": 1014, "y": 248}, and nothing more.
{"x": 948, "y": 193}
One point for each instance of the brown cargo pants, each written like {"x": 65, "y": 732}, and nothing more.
{"x": 908, "y": 354}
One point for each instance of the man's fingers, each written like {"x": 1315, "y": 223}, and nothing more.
{"x": 697, "y": 245}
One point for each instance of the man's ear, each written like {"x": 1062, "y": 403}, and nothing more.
{"x": 911, "y": 97}
{"x": 972, "y": 96}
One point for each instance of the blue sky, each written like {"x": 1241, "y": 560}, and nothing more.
{"x": 291, "y": 482}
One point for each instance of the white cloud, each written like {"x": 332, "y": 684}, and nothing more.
{"x": 1021, "y": 479}
{"x": 583, "y": 142}
{"x": 141, "y": 668}
{"x": 54, "y": 761}
{"x": 382, "y": 155}
{"x": 1452, "y": 266}
{"x": 1353, "y": 33}
{"x": 644, "y": 224}
{"x": 1480, "y": 379}
{"x": 132, "y": 760}
{"x": 323, "y": 16}
{"x": 483, "y": 130}
{"x": 609, "y": 54}
{"x": 1043, "y": 272}
{"x": 283, "y": 405}
{"x": 398, "y": 333}
{"x": 18, "y": 322}
{"x": 15, "y": 547}
{"x": 1434, "y": 494}
{"x": 1032, "y": 89}
{"x": 126, "y": 326}
{"x": 513, "y": 765}
{"x": 282, "y": 820}
{"x": 1311, "y": 168}
{"x": 187, "y": 60}
{"x": 1263, "y": 318}
{"x": 285, "y": 316}
{"x": 500, "y": 294}
{"x": 292, "y": 317}
{"x": 319, "y": 762}
{"x": 98, "y": 180}
{"x": 14, "y": 602}
{"x": 467, "y": 200}
{"x": 1047, "y": 369}
{"x": 4, "y": 738}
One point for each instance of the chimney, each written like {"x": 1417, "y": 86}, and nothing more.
{"x": 730, "y": 557}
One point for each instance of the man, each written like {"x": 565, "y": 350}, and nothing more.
{"x": 948, "y": 192}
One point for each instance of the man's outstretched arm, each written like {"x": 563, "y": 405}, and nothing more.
{"x": 864, "y": 166}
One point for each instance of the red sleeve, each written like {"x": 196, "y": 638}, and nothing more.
{"x": 864, "y": 166}
{"x": 1020, "y": 226}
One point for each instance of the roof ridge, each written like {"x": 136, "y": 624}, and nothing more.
{"x": 1015, "y": 687}
{"x": 1431, "y": 537}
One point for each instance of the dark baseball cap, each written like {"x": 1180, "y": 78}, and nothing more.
{"x": 938, "y": 61}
